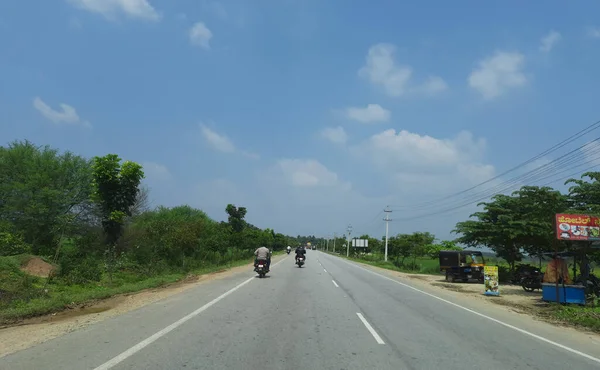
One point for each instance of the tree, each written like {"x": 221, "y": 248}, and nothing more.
{"x": 236, "y": 217}
{"x": 497, "y": 227}
{"x": 43, "y": 194}
{"x": 433, "y": 250}
{"x": 584, "y": 196}
{"x": 537, "y": 209}
{"x": 116, "y": 189}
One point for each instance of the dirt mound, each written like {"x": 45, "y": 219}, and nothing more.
{"x": 37, "y": 267}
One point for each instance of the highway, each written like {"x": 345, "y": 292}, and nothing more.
{"x": 330, "y": 314}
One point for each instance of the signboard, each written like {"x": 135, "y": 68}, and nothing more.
{"x": 490, "y": 280}
{"x": 360, "y": 243}
{"x": 577, "y": 227}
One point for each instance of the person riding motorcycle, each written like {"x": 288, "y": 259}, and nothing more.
{"x": 300, "y": 252}
{"x": 262, "y": 254}
{"x": 289, "y": 249}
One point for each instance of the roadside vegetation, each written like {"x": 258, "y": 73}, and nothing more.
{"x": 74, "y": 229}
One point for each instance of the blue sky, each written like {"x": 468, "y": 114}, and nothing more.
{"x": 311, "y": 113}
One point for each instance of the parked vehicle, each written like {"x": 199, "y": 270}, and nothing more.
{"x": 462, "y": 265}
{"x": 528, "y": 277}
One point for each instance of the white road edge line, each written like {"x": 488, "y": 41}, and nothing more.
{"x": 146, "y": 342}
{"x": 334, "y": 283}
{"x": 574, "y": 351}
{"x": 370, "y": 328}
{"x": 324, "y": 270}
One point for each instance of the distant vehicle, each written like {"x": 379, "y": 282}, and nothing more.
{"x": 462, "y": 265}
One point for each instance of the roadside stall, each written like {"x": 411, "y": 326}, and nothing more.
{"x": 557, "y": 286}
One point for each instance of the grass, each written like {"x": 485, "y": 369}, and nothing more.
{"x": 585, "y": 317}
{"x": 22, "y": 295}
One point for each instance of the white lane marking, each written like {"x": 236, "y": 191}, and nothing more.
{"x": 370, "y": 328}
{"x": 572, "y": 350}
{"x": 146, "y": 342}
{"x": 334, "y": 283}
{"x": 324, "y": 270}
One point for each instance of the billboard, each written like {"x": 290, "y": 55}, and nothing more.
{"x": 360, "y": 243}
{"x": 577, "y": 227}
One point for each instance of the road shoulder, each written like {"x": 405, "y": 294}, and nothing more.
{"x": 37, "y": 330}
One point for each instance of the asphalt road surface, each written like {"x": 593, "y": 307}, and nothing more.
{"x": 330, "y": 314}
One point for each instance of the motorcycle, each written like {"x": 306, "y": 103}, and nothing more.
{"x": 288, "y": 252}
{"x": 532, "y": 281}
{"x": 300, "y": 261}
{"x": 261, "y": 268}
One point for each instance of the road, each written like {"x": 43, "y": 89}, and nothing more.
{"x": 330, "y": 314}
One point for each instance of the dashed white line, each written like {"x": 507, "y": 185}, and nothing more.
{"x": 334, "y": 283}
{"x": 539, "y": 337}
{"x": 151, "y": 339}
{"x": 370, "y": 328}
{"x": 324, "y": 270}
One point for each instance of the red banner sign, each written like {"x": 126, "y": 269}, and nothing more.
{"x": 577, "y": 227}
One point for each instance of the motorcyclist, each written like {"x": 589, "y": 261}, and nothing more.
{"x": 300, "y": 252}
{"x": 289, "y": 249}
{"x": 264, "y": 254}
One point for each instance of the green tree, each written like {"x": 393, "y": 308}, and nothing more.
{"x": 497, "y": 227}
{"x": 584, "y": 195}
{"x": 537, "y": 209}
{"x": 44, "y": 194}
{"x": 116, "y": 187}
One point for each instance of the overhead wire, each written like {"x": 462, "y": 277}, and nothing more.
{"x": 540, "y": 172}
{"x": 552, "y": 149}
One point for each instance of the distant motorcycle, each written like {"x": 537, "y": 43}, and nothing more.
{"x": 300, "y": 261}
{"x": 261, "y": 268}
{"x": 288, "y": 252}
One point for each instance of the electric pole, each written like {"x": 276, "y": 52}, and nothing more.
{"x": 334, "y": 237}
{"x": 387, "y": 220}
{"x": 349, "y": 229}
{"x": 327, "y": 244}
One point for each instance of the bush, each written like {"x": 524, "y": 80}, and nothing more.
{"x": 11, "y": 244}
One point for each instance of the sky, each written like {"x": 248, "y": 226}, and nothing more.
{"x": 313, "y": 114}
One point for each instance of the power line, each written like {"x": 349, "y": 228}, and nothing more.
{"x": 565, "y": 160}
{"x": 470, "y": 203}
{"x": 557, "y": 146}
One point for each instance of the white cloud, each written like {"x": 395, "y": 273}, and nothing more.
{"x": 594, "y": 32}
{"x": 109, "y": 8}
{"x": 306, "y": 173}
{"x": 217, "y": 141}
{"x": 422, "y": 163}
{"x": 156, "y": 171}
{"x": 381, "y": 69}
{"x": 497, "y": 74}
{"x": 549, "y": 41}
{"x": 370, "y": 114}
{"x": 336, "y": 135}
{"x": 67, "y": 114}
{"x": 200, "y": 35}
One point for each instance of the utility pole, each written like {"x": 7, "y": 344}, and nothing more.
{"x": 327, "y": 244}
{"x": 349, "y": 229}
{"x": 387, "y": 220}
{"x": 334, "y": 237}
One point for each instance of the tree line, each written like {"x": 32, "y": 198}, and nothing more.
{"x": 522, "y": 223}
{"x": 92, "y": 218}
